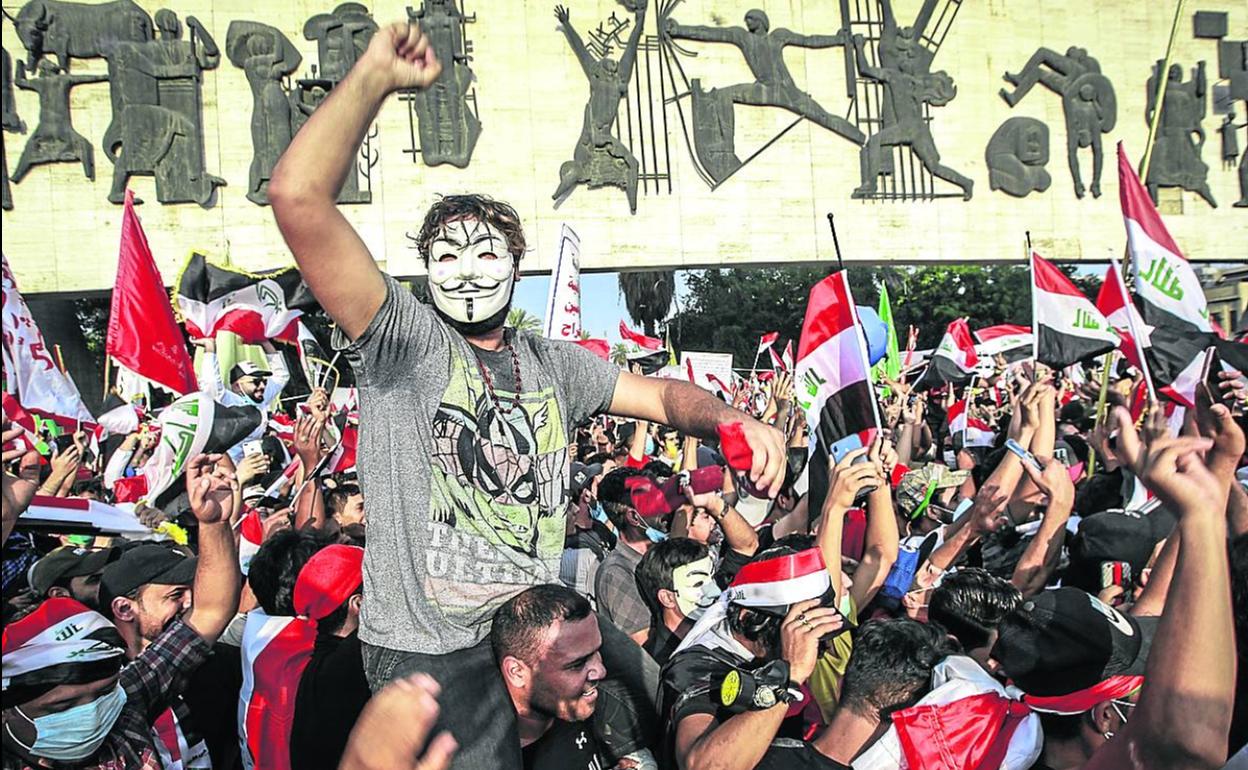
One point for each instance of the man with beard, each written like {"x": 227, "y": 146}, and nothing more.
{"x": 464, "y": 455}
{"x": 250, "y": 385}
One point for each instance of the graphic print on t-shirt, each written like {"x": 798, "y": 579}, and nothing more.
{"x": 499, "y": 476}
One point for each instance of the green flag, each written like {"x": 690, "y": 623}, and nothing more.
{"x": 890, "y": 365}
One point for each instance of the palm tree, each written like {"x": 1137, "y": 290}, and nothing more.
{"x": 523, "y": 321}
{"x": 648, "y": 296}
{"x": 619, "y": 354}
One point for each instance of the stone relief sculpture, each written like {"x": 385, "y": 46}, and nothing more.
{"x": 773, "y": 86}
{"x": 341, "y": 36}
{"x": 78, "y": 30}
{"x": 1180, "y": 138}
{"x": 267, "y": 57}
{"x": 9, "y": 121}
{"x": 1088, "y": 103}
{"x": 448, "y": 126}
{"x": 909, "y": 85}
{"x": 160, "y": 127}
{"x": 1016, "y": 157}
{"x": 54, "y": 140}
{"x": 600, "y": 158}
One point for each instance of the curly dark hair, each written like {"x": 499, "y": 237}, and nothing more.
{"x": 891, "y": 665}
{"x": 451, "y": 208}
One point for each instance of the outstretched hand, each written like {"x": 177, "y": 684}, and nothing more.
{"x": 18, "y": 490}
{"x": 562, "y": 14}
{"x": 1171, "y": 468}
{"x": 848, "y": 478}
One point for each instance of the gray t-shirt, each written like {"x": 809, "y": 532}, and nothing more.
{"x": 466, "y": 503}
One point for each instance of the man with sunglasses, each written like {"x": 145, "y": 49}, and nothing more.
{"x": 250, "y": 385}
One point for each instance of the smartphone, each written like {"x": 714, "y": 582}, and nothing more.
{"x": 1027, "y": 457}
{"x": 255, "y": 447}
{"x": 1115, "y": 573}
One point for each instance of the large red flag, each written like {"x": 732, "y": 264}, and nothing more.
{"x": 639, "y": 339}
{"x": 142, "y": 333}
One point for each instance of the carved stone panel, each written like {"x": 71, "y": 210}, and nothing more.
{"x": 10, "y": 123}
{"x": 600, "y": 158}
{"x": 1089, "y": 105}
{"x": 1016, "y": 157}
{"x": 1180, "y": 138}
{"x": 54, "y": 139}
{"x": 268, "y": 58}
{"x": 448, "y": 125}
{"x": 158, "y": 125}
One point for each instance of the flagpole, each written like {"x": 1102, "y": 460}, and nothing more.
{"x": 108, "y": 361}
{"x": 1161, "y": 91}
{"x": 1035, "y": 313}
{"x": 836, "y": 243}
{"x": 1136, "y": 339}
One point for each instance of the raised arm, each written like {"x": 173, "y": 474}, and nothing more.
{"x": 332, "y": 258}
{"x": 630, "y": 50}
{"x": 1184, "y": 711}
{"x": 1044, "y": 551}
{"x": 214, "y": 497}
{"x": 864, "y": 67}
{"x": 692, "y": 410}
{"x": 588, "y": 62}
{"x": 789, "y": 37}
{"x": 882, "y": 541}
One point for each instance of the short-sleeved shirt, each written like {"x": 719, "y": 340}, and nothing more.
{"x": 151, "y": 680}
{"x": 565, "y": 746}
{"x": 466, "y": 495}
{"x": 615, "y": 589}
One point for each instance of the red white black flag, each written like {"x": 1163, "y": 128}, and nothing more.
{"x": 833, "y": 380}
{"x": 954, "y": 360}
{"x": 1068, "y": 327}
{"x": 255, "y": 306}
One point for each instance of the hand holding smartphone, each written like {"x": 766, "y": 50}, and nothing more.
{"x": 1027, "y": 457}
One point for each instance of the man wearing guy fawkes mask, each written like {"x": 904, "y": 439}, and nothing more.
{"x": 732, "y": 689}
{"x": 464, "y": 449}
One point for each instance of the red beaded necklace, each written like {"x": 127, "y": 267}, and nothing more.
{"x": 489, "y": 380}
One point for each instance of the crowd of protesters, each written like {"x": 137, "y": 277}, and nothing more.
{"x": 541, "y": 560}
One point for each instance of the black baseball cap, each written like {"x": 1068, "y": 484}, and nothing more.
{"x": 1065, "y": 641}
{"x": 1114, "y": 536}
{"x": 143, "y": 565}
{"x": 582, "y": 476}
{"x": 247, "y": 369}
{"x": 67, "y": 562}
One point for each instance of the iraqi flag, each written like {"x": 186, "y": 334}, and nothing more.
{"x": 953, "y": 361}
{"x": 31, "y": 376}
{"x": 974, "y": 431}
{"x": 275, "y": 651}
{"x": 1116, "y": 305}
{"x": 1010, "y": 340}
{"x": 194, "y": 424}
{"x": 1068, "y": 327}
{"x": 1165, "y": 284}
{"x": 143, "y": 336}
{"x": 255, "y": 306}
{"x": 68, "y": 515}
{"x": 833, "y": 381}
{"x": 120, "y": 417}
{"x": 765, "y": 342}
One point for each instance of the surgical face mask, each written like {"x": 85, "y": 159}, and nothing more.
{"x": 695, "y": 590}
{"x": 77, "y": 733}
{"x": 649, "y": 446}
{"x": 655, "y": 535}
{"x": 470, "y": 271}
{"x": 597, "y": 513}
{"x": 951, "y": 458}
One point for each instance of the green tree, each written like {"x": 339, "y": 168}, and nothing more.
{"x": 728, "y": 309}
{"x": 648, "y": 296}
{"x": 619, "y": 354}
{"x": 523, "y": 321}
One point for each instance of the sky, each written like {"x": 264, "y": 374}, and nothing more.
{"x": 602, "y": 305}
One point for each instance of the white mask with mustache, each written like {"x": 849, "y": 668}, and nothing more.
{"x": 470, "y": 271}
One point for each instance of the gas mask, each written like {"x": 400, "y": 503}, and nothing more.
{"x": 471, "y": 273}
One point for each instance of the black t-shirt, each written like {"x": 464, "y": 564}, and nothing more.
{"x": 211, "y": 695}
{"x": 332, "y": 692}
{"x": 565, "y": 746}
{"x": 661, "y": 643}
{"x": 691, "y": 682}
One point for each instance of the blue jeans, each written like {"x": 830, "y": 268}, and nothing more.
{"x": 476, "y": 708}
